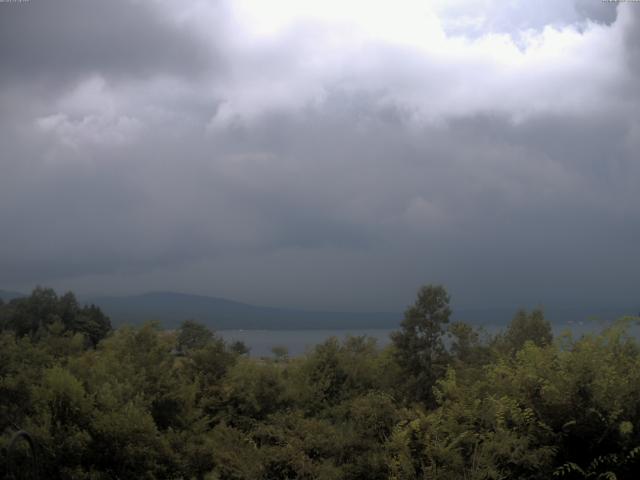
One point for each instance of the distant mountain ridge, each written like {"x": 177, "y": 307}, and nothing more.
{"x": 171, "y": 308}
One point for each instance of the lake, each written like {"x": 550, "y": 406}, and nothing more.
{"x": 299, "y": 341}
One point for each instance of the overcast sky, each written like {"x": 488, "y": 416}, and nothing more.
{"x": 325, "y": 154}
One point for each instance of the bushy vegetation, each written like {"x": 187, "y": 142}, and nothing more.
{"x": 443, "y": 401}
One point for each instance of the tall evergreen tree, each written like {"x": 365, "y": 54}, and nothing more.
{"x": 419, "y": 346}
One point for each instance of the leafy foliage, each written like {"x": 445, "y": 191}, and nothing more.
{"x": 419, "y": 345}
{"x": 147, "y": 403}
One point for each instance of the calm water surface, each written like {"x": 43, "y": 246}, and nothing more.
{"x": 299, "y": 341}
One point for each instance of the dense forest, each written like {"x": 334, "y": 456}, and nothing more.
{"x": 443, "y": 401}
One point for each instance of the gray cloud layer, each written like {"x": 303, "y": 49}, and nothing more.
{"x": 42, "y": 40}
{"x": 147, "y": 145}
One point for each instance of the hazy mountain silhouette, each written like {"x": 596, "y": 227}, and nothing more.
{"x": 172, "y": 308}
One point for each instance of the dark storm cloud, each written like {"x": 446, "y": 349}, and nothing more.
{"x": 341, "y": 177}
{"x": 479, "y": 197}
{"x": 56, "y": 40}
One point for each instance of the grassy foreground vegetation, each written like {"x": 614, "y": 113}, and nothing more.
{"x": 443, "y": 401}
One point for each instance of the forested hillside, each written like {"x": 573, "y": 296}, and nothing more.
{"x": 443, "y": 401}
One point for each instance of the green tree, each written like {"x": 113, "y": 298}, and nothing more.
{"x": 192, "y": 336}
{"x": 239, "y": 348}
{"x": 252, "y": 392}
{"x": 465, "y": 341}
{"x": 35, "y": 315}
{"x": 92, "y": 323}
{"x": 27, "y": 315}
{"x": 470, "y": 353}
{"x": 419, "y": 344}
{"x": 526, "y": 327}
